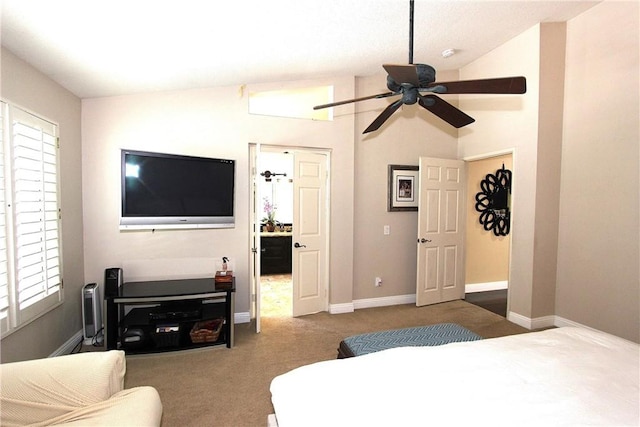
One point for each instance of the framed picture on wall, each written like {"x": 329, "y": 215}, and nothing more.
{"x": 403, "y": 188}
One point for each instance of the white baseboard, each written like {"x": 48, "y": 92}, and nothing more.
{"x": 561, "y": 321}
{"x": 487, "y": 286}
{"x": 544, "y": 322}
{"x": 69, "y": 345}
{"x": 341, "y": 308}
{"x": 526, "y": 322}
{"x": 243, "y": 317}
{"x": 371, "y": 302}
{"x": 384, "y": 301}
{"x": 519, "y": 319}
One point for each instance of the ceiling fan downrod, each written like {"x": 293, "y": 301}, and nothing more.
{"x": 410, "y": 31}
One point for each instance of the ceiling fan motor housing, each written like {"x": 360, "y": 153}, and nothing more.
{"x": 392, "y": 85}
{"x": 426, "y": 74}
{"x": 409, "y": 94}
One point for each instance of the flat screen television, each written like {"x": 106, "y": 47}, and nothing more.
{"x": 176, "y": 191}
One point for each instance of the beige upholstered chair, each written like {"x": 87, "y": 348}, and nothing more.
{"x": 78, "y": 389}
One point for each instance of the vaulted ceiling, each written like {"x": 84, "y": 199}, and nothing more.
{"x": 128, "y": 46}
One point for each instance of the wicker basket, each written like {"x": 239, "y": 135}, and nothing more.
{"x": 206, "y": 331}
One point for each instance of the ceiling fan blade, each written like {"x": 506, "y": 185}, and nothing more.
{"x": 364, "y": 98}
{"x": 445, "y": 111}
{"x": 403, "y": 73}
{"x": 386, "y": 113}
{"x": 505, "y": 85}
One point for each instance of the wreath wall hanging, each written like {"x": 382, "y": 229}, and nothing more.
{"x": 493, "y": 202}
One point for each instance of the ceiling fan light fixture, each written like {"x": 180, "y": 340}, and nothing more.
{"x": 410, "y": 81}
{"x": 448, "y": 52}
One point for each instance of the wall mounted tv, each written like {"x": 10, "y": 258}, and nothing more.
{"x": 176, "y": 191}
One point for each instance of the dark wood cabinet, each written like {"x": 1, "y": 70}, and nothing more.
{"x": 275, "y": 255}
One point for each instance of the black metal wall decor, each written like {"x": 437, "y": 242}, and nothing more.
{"x": 493, "y": 202}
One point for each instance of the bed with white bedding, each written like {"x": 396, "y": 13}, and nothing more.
{"x": 559, "y": 377}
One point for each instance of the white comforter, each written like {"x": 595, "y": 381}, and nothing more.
{"x": 560, "y": 377}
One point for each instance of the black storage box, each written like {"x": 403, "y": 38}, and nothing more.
{"x": 167, "y": 335}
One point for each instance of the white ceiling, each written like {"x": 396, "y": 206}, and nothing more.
{"x": 98, "y": 48}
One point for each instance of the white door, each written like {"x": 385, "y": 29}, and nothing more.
{"x": 309, "y": 258}
{"x": 441, "y": 211}
{"x": 254, "y": 234}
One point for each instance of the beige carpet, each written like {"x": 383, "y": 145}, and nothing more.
{"x": 230, "y": 387}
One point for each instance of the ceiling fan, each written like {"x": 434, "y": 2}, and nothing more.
{"x": 413, "y": 80}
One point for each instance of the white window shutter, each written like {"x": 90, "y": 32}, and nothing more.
{"x": 4, "y": 279}
{"x": 36, "y": 264}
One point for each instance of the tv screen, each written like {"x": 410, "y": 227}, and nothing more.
{"x": 176, "y": 191}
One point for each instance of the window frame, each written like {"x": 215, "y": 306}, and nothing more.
{"x": 51, "y": 293}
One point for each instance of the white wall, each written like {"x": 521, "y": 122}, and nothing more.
{"x": 598, "y": 257}
{"x": 206, "y": 122}
{"x": 508, "y": 122}
{"x": 26, "y": 87}
{"x": 575, "y": 134}
{"x": 410, "y": 133}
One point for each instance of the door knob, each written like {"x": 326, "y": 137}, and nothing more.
{"x": 298, "y": 245}
{"x": 423, "y": 240}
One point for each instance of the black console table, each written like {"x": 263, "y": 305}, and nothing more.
{"x": 158, "y": 315}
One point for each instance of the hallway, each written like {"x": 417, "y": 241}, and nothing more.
{"x": 276, "y": 295}
{"x": 494, "y": 301}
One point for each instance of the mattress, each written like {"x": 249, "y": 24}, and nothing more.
{"x": 559, "y": 377}
{"x": 442, "y": 333}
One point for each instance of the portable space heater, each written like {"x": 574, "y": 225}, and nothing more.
{"x": 92, "y": 313}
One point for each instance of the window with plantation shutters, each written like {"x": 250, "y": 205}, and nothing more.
{"x": 30, "y": 248}
{"x": 4, "y": 283}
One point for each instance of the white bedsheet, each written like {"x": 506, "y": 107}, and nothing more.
{"x": 560, "y": 377}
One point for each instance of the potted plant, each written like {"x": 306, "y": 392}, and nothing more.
{"x": 270, "y": 219}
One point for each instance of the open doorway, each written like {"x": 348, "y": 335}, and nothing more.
{"x": 300, "y": 240}
{"x": 276, "y": 295}
{"x": 275, "y": 185}
{"x": 487, "y": 255}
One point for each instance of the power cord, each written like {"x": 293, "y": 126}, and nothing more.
{"x": 96, "y": 341}
{"x": 98, "y": 338}
{"x": 78, "y": 347}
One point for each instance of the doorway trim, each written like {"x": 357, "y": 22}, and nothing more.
{"x": 254, "y": 250}
{"x": 488, "y": 155}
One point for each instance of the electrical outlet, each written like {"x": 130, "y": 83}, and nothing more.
{"x": 386, "y": 230}
{"x": 378, "y": 281}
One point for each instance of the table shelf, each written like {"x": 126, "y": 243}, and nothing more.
{"x": 145, "y": 319}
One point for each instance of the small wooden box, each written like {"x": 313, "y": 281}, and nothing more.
{"x": 224, "y": 279}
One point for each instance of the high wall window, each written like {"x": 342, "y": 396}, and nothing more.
{"x": 30, "y": 253}
{"x": 296, "y": 103}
